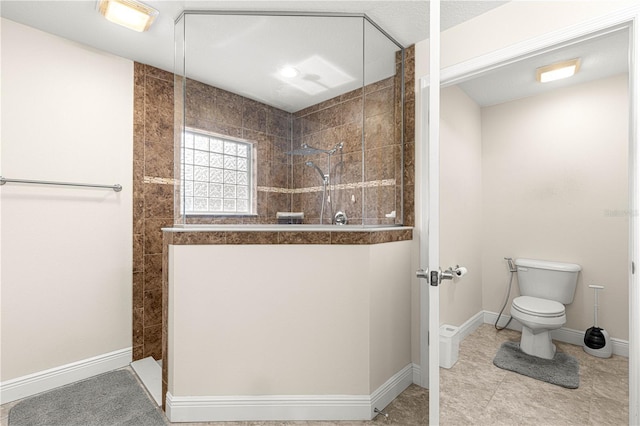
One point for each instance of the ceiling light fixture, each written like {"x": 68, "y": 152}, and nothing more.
{"x": 128, "y": 13}
{"x": 557, "y": 71}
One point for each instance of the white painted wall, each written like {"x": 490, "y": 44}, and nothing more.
{"x": 266, "y": 321}
{"x": 389, "y": 314}
{"x": 555, "y": 187}
{"x": 287, "y": 320}
{"x": 66, "y": 252}
{"x": 518, "y": 21}
{"x": 551, "y": 171}
{"x": 511, "y": 23}
{"x": 460, "y": 204}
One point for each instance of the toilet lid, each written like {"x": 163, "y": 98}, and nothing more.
{"x": 539, "y": 307}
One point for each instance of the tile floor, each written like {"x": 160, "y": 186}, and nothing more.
{"x": 475, "y": 392}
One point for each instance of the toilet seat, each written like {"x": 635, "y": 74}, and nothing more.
{"x": 538, "y": 307}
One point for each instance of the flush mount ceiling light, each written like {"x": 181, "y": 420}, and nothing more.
{"x": 128, "y": 13}
{"x": 557, "y": 71}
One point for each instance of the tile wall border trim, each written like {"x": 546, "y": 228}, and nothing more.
{"x": 355, "y": 185}
{"x": 287, "y": 407}
{"x": 159, "y": 180}
{"x": 341, "y": 186}
{"x": 279, "y": 234}
{"x": 41, "y": 381}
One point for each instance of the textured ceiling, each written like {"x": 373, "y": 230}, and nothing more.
{"x": 78, "y": 20}
{"x": 601, "y": 57}
{"x": 257, "y": 45}
{"x": 405, "y": 21}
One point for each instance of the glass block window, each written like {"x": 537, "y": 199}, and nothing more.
{"x": 217, "y": 175}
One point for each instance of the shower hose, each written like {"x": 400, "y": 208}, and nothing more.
{"x": 506, "y": 300}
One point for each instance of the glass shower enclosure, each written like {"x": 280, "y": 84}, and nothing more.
{"x": 287, "y": 118}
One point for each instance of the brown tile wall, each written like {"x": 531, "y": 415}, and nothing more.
{"x": 153, "y": 202}
{"x": 222, "y": 112}
{"x": 341, "y": 120}
{"x": 215, "y": 110}
{"x": 409, "y": 146}
{"x": 323, "y": 126}
{"x": 209, "y": 109}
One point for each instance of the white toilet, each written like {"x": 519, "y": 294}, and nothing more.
{"x": 545, "y": 288}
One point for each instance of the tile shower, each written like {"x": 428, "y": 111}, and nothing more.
{"x": 284, "y": 184}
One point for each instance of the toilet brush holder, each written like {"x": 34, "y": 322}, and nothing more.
{"x": 603, "y": 352}
{"x": 596, "y": 340}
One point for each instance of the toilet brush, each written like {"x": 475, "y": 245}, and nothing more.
{"x": 596, "y": 339}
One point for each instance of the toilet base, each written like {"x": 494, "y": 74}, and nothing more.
{"x": 537, "y": 344}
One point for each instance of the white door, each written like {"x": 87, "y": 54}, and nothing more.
{"x": 429, "y": 217}
{"x": 430, "y": 274}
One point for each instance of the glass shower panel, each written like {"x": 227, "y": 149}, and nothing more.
{"x": 383, "y": 129}
{"x": 294, "y": 88}
{"x": 179, "y": 120}
{"x": 327, "y": 130}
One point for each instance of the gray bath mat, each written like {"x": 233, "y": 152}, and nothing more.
{"x": 113, "y": 398}
{"x": 562, "y": 370}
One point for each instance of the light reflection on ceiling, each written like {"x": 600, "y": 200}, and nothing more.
{"x": 316, "y": 75}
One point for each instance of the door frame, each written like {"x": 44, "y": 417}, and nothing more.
{"x": 452, "y": 75}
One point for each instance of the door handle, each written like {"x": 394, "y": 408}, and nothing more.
{"x": 435, "y": 277}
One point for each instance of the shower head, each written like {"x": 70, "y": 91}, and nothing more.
{"x": 308, "y": 150}
{"x": 324, "y": 177}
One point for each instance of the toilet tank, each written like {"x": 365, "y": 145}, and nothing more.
{"x": 547, "y": 280}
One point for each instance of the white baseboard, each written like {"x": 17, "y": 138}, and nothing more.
{"x": 417, "y": 374}
{"x": 391, "y": 389}
{"x": 470, "y": 325}
{"x": 576, "y": 337}
{"x": 567, "y": 335}
{"x": 21, "y": 387}
{"x": 491, "y": 317}
{"x": 287, "y": 407}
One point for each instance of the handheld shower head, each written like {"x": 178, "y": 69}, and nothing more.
{"x": 324, "y": 177}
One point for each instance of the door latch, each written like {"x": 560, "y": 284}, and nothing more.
{"x": 435, "y": 278}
